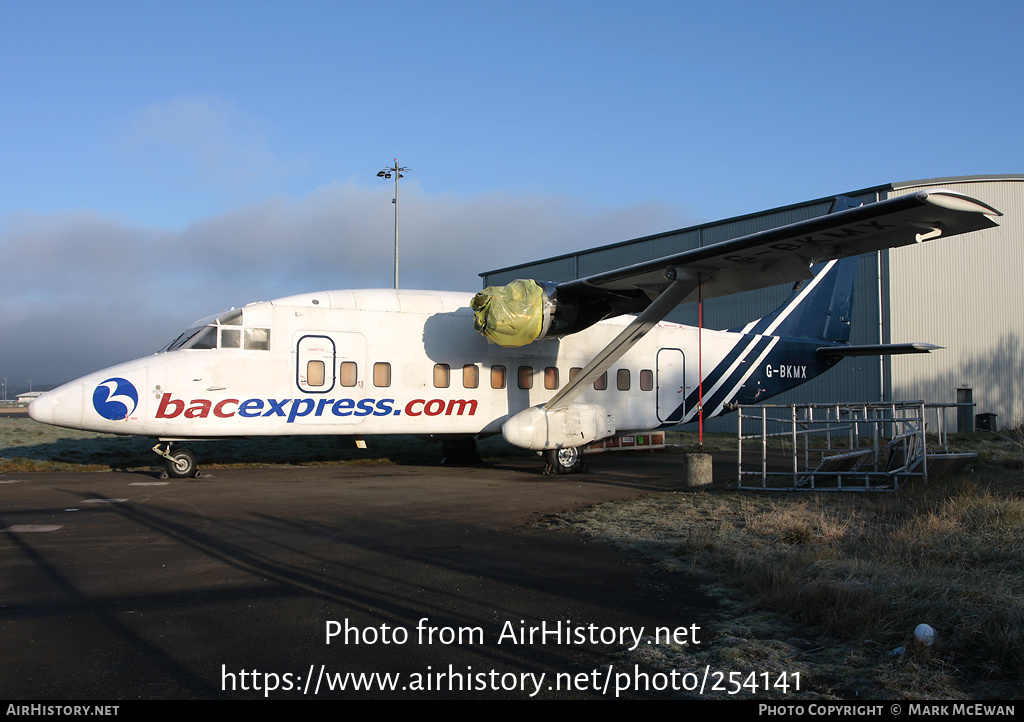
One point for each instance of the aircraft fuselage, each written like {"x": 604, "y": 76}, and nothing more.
{"x": 409, "y": 362}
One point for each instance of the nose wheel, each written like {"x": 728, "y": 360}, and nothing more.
{"x": 179, "y": 463}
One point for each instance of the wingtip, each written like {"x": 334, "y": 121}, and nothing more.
{"x": 956, "y": 201}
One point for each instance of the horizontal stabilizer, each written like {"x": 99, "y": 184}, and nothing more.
{"x": 878, "y": 349}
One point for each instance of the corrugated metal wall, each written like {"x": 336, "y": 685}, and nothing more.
{"x": 967, "y": 294}
{"x": 558, "y": 269}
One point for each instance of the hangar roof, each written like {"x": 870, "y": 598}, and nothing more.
{"x": 879, "y": 191}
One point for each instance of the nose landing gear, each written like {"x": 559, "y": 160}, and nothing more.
{"x": 180, "y": 463}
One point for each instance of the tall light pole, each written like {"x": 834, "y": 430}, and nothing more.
{"x": 396, "y": 170}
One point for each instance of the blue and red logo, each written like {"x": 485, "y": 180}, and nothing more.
{"x": 115, "y": 399}
{"x": 293, "y": 409}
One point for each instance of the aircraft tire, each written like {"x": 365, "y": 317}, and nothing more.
{"x": 566, "y": 460}
{"x": 181, "y": 464}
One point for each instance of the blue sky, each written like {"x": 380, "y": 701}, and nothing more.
{"x": 162, "y": 161}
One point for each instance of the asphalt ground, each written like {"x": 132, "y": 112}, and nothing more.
{"x": 122, "y": 586}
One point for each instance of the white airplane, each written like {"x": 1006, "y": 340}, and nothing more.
{"x": 563, "y": 366}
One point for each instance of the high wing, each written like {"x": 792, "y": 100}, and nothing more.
{"x": 784, "y": 254}
{"x": 768, "y": 258}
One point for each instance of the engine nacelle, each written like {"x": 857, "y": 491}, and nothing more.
{"x": 524, "y": 310}
{"x": 574, "y": 425}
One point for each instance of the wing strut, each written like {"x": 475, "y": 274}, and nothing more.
{"x": 676, "y": 291}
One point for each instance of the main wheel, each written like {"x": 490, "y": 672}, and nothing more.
{"x": 181, "y": 464}
{"x": 563, "y": 461}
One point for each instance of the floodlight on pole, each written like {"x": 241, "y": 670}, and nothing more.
{"x": 397, "y": 171}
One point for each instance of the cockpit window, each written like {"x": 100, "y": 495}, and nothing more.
{"x": 173, "y": 344}
{"x": 223, "y": 331}
{"x": 206, "y": 338}
{"x": 231, "y": 338}
{"x": 182, "y": 339}
{"x": 231, "y": 318}
{"x": 257, "y": 339}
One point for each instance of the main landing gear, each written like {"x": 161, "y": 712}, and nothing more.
{"x": 567, "y": 460}
{"x": 180, "y": 463}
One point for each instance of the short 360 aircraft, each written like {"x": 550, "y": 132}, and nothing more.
{"x": 563, "y": 364}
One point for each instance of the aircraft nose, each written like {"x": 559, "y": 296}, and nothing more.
{"x": 60, "y": 407}
{"x": 41, "y": 409}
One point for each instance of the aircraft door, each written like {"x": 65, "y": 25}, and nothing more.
{"x": 671, "y": 385}
{"x": 314, "y": 370}
{"x": 331, "y": 366}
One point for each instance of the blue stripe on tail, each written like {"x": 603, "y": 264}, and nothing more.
{"x": 819, "y": 308}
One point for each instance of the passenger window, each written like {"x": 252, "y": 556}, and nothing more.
{"x": 441, "y": 376}
{"x": 551, "y": 378}
{"x": 349, "y": 373}
{"x": 316, "y": 372}
{"x": 257, "y": 339}
{"x": 646, "y": 379}
{"x": 526, "y": 377}
{"x": 470, "y": 376}
{"x": 381, "y": 374}
{"x": 601, "y": 382}
{"x": 622, "y": 380}
{"x": 497, "y": 377}
{"x": 574, "y": 372}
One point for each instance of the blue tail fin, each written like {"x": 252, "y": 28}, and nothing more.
{"x": 819, "y": 308}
